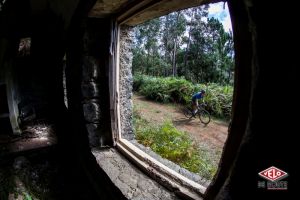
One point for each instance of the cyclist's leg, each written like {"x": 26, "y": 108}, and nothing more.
{"x": 194, "y": 106}
{"x": 196, "y": 109}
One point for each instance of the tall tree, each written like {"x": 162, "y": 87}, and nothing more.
{"x": 147, "y": 36}
{"x": 174, "y": 28}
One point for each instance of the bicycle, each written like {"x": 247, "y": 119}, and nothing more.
{"x": 203, "y": 114}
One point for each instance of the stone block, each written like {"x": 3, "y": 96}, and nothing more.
{"x": 93, "y": 134}
{"x": 91, "y": 111}
{"x": 90, "y": 69}
{"x": 90, "y": 90}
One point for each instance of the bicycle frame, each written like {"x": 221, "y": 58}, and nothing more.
{"x": 200, "y": 107}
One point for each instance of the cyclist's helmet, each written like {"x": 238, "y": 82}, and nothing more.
{"x": 202, "y": 91}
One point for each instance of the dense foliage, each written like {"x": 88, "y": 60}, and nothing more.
{"x": 170, "y": 89}
{"x": 185, "y": 43}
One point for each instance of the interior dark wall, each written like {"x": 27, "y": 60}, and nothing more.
{"x": 265, "y": 83}
{"x": 56, "y": 28}
{"x": 34, "y": 80}
{"x": 37, "y": 76}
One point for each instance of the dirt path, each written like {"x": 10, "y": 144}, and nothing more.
{"x": 211, "y": 136}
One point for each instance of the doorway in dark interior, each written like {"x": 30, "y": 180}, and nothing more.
{"x": 5, "y": 126}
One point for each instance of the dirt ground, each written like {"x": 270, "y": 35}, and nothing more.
{"x": 211, "y": 137}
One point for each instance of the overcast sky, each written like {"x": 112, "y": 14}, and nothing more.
{"x": 216, "y": 10}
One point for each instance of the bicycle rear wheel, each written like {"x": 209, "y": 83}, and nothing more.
{"x": 204, "y": 116}
{"x": 188, "y": 113}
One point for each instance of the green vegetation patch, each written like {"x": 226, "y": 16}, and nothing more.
{"x": 174, "y": 145}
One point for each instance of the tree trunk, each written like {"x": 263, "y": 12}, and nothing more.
{"x": 175, "y": 49}
{"x": 174, "y": 58}
{"x": 166, "y": 44}
{"x": 189, "y": 42}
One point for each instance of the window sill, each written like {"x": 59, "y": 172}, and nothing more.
{"x": 135, "y": 184}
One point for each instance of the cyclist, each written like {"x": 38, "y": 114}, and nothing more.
{"x": 195, "y": 98}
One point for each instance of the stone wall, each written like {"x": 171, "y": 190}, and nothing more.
{"x": 126, "y": 81}
{"x": 95, "y": 82}
{"x": 90, "y": 95}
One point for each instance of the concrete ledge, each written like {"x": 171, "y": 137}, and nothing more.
{"x": 132, "y": 182}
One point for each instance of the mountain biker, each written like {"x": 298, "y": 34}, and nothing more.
{"x": 195, "y": 98}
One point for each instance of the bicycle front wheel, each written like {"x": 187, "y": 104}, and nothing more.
{"x": 204, "y": 116}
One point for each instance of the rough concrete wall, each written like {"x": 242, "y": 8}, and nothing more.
{"x": 133, "y": 183}
{"x": 126, "y": 81}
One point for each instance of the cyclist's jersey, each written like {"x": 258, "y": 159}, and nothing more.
{"x": 198, "y": 95}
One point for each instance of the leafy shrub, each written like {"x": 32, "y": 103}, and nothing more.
{"x": 138, "y": 81}
{"x": 163, "y": 89}
{"x": 218, "y": 98}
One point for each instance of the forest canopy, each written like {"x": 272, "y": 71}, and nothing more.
{"x": 187, "y": 44}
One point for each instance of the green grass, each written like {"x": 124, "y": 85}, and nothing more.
{"x": 174, "y": 145}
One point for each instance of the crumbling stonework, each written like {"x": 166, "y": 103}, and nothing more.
{"x": 90, "y": 95}
{"x": 126, "y": 81}
{"x": 95, "y": 83}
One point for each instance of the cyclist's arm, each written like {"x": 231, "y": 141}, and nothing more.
{"x": 202, "y": 100}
